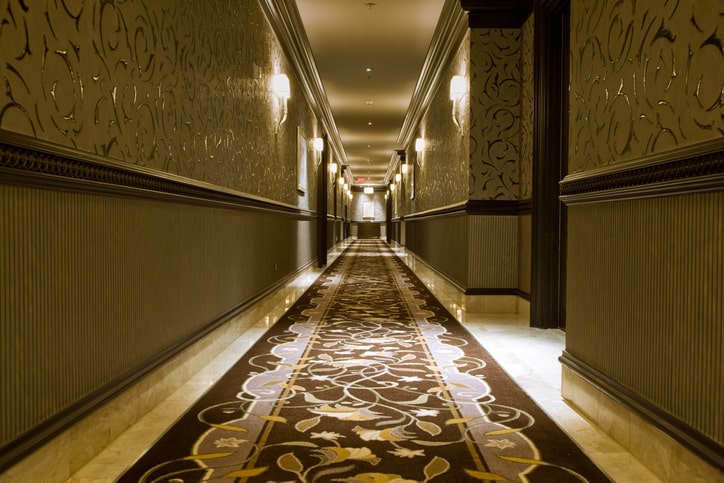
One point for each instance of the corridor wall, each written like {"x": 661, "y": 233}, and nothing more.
{"x": 646, "y": 226}
{"x": 470, "y": 214}
{"x": 148, "y": 193}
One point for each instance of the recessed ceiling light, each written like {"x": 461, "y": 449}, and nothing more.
{"x": 369, "y": 123}
{"x": 369, "y": 103}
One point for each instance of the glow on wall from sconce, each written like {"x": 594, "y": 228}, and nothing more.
{"x": 280, "y": 87}
{"x": 458, "y": 87}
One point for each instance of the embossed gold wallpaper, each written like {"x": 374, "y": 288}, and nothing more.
{"x": 441, "y": 171}
{"x": 643, "y": 79}
{"x": 495, "y": 123}
{"x": 175, "y": 86}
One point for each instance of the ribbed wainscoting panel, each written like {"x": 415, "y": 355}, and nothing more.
{"x": 442, "y": 242}
{"x": 651, "y": 317}
{"x": 94, "y": 287}
{"x": 493, "y": 252}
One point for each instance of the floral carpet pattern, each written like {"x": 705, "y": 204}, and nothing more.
{"x": 366, "y": 379}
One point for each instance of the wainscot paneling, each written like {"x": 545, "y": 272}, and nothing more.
{"x": 103, "y": 282}
{"x": 441, "y": 240}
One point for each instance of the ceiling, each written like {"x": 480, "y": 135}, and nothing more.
{"x": 369, "y": 55}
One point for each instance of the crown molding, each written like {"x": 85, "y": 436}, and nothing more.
{"x": 284, "y": 18}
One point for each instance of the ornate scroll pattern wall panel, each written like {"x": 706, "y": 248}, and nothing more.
{"x": 527, "y": 36}
{"x": 441, "y": 171}
{"x": 495, "y": 90}
{"x": 176, "y": 86}
{"x": 646, "y": 77}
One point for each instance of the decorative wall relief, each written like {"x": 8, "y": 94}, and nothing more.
{"x": 646, "y": 77}
{"x": 175, "y": 86}
{"x": 495, "y": 91}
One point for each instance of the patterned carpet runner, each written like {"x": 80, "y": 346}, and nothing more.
{"x": 366, "y": 379}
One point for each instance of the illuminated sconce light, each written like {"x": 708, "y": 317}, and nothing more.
{"x": 419, "y": 145}
{"x": 333, "y": 168}
{"x": 457, "y": 91}
{"x": 398, "y": 177}
{"x": 405, "y": 168}
{"x": 341, "y": 180}
{"x": 281, "y": 89}
{"x": 318, "y": 144}
{"x": 346, "y": 187}
{"x": 369, "y": 190}
{"x": 392, "y": 187}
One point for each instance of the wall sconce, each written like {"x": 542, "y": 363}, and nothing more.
{"x": 369, "y": 190}
{"x": 333, "y": 168}
{"x": 341, "y": 180}
{"x": 281, "y": 89}
{"x": 398, "y": 177}
{"x": 346, "y": 187}
{"x": 419, "y": 145}
{"x": 318, "y": 144}
{"x": 392, "y": 187}
{"x": 405, "y": 168}
{"x": 457, "y": 91}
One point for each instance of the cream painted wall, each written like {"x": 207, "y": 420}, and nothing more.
{"x": 377, "y": 199}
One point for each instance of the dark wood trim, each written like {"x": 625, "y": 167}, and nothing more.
{"x": 30, "y": 441}
{"x": 499, "y": 207}
{"x": 498, "y": 291}
{"x": 550, "y": 149}
{"x": 458, "y": 209}
{"x": 35, "y": 163}
{"x": 322, "y": 188}
{"x": 479, "y": 208}
{"x": 692, "y": 439}
{"x": 497, "y": 13}
{"x": 389, "y": 220}
{"x": 690, "y": 169}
